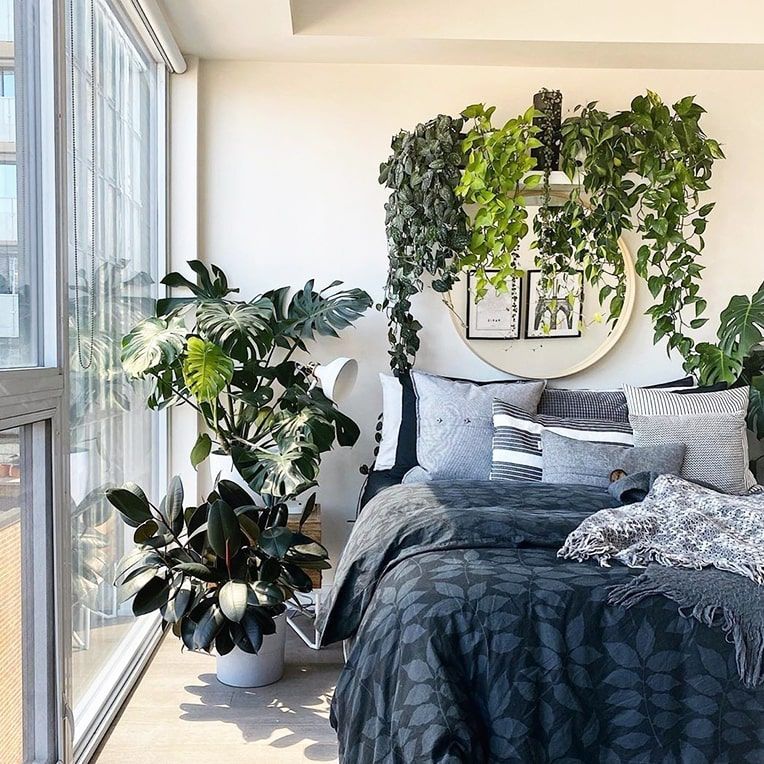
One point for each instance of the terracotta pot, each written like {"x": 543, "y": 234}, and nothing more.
{"x": 5, "y": 470}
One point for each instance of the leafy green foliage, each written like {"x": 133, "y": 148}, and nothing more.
{"x": 497, "y": 163}
{"x": 152, "y": 343}
{"x": 218, "y": 582}
{"x": 233, "y": 364}
{"x": 425, "y": 223}
{"x": 206, "y": 369}
{"x": 738, "y": 357}
{"x": 641, "y": 169}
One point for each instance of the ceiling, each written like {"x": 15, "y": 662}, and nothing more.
{"x": 702, "y": 34}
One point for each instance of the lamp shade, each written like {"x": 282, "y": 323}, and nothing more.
{"x": 337, "y": 378}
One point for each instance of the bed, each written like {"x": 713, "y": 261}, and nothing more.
{"x": 471, "y": 641}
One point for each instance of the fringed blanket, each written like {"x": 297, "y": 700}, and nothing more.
{"x": 683, "y": 525}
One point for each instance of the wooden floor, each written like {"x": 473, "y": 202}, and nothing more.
{"x": 179, "y": 712}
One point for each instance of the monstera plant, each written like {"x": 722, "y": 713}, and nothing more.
{"x": 236, "y": 363}
{"x": 218, "y": 573}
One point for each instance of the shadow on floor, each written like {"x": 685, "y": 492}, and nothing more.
{"x": 292, "y": 713}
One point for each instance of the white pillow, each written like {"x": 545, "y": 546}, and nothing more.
{"x": 392, "y": 408}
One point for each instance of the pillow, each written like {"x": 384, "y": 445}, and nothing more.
{"x": 392, "y": 405}
{"x": 517, "y": 446}
{"x": 580, "y": 462}
{"x": 609, "y": 405}
{"x": 454, "y": 422}
{"x": 711, "y": 425}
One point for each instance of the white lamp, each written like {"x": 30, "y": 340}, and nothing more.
{"x": 337, "y": 378}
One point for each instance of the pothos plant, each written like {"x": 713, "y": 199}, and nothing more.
{"x": 219, "y": 572}
{"x": 426, "y": 225}
{"x": 235, "y": 363}
{"x": 644, "y": 169}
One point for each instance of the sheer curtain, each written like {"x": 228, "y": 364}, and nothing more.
{"x": 114, "y": 269}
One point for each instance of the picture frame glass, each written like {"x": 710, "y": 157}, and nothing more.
{"x": 498, "y": 315}
{"x": 556, "y": 311}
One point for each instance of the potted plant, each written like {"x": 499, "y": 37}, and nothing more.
{"x": 220, "y": 573}
{"x": 236, "y": 363}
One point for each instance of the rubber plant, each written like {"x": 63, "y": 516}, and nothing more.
{"x": 234, "y": 362}
{"x": 219, "y": 572}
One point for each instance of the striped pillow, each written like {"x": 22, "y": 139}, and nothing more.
{"x": 517, "y": 453}
{"x": 711, "y": 425}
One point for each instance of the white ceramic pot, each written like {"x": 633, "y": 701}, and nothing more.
{"x": 241, "y": 669}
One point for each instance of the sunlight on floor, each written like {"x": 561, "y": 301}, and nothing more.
{"x": 285, "y": 722}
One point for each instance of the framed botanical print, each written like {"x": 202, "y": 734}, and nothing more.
{"x": 496, "y": 316}
{"x": 555, "y": 312}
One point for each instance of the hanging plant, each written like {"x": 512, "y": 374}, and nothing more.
{"x": 425, "y": 222}
{"x": 644, "y": 169}
{"x": 497, "y": 163}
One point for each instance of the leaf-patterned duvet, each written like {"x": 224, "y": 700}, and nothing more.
{"x": 472, "y": 642}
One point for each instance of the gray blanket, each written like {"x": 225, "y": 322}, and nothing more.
{"x": 681, "y": 525}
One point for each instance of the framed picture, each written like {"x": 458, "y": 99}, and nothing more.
{"x": 553, "y": 314}
{"x": 496, "y": 316}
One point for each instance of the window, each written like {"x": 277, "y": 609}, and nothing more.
{"x": 31, "y": 391}
{"x": 26, "y": 602}
{"x": 116, "y": 259}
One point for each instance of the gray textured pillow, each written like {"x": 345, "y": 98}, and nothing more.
{"x": 455, "y": 422}
{"x": 567, "y": 460}
{"x": 711, "y": 425}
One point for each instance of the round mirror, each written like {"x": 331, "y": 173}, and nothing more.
{"x": 540, "y": 333}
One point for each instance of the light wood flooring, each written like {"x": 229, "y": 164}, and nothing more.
{"x": 179, "y": 712}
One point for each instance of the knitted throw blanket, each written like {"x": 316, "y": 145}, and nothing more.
{"x": 683, "y": 525}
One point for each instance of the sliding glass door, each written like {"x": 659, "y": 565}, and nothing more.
{"x": 116, "y": 258}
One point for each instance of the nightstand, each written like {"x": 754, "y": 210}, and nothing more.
{"x": 312, "y": 528}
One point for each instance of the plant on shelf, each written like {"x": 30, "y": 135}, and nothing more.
{"x": 497, "y": 162}
{"x": 235, "y": 362}
{"x": 425, "y": 222}
{"x": 220, "y": 572}
{"x": 643, "y": 169}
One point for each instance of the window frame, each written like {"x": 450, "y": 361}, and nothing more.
{"x": 38, "y": 397}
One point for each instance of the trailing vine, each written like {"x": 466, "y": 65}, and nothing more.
{"x": 641, "y": 169}
{"x": 426, "y": 225}
{"x": 497, "y": 163}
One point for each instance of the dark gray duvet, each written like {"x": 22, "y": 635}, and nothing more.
{"x": 473, "y": 642}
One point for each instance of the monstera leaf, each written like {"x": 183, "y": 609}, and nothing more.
{"x": 287, "y": 470}
{"x": 742, "y": 323}
{"x": 207, "y": 369}
{"x": 716, "y": 365}
{"x": 324, "y": 313}
{"x": 152, "y": 342}
{"x": 242, "y": 329}
{"x": 756, "y": 407}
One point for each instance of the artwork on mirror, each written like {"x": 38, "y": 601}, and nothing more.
{"x": 556, "y": 312}
{"x": 496, "y": 316}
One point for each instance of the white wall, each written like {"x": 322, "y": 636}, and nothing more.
{"x": 289, "y": 155}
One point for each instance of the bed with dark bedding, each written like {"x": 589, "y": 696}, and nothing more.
{"x": 473, "y": 642}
